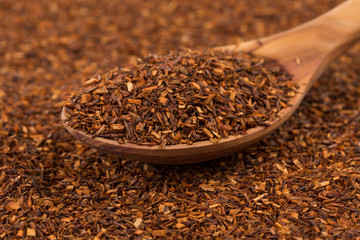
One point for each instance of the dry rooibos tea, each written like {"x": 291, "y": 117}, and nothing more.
{"x": 302, "y": 182}
{"x": 182, "y": 97}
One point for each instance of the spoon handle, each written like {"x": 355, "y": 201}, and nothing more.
{"x": 314, "y": 44}
{"x": 337, "y": 27}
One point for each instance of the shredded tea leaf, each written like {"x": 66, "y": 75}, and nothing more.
{"x": 183, "y": 97}
{"x": 301, "y": 182}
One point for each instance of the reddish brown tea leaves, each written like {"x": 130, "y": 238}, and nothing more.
{"x": 182, "y": 97}
{"x": 309, "y": 168}
{"x": 12, "y": 205}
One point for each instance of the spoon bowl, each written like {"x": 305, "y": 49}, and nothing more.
{"x": 304, "y": 51}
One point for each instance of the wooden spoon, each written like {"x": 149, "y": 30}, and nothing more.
{"x": 305, "y": 51}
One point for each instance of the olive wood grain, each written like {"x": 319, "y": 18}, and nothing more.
{"x": 305, "y": 51}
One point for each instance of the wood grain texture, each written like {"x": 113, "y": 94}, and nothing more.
{"x": 305, "y": 51}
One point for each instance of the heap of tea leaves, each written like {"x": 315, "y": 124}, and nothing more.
{"x": 183, "y": 97}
